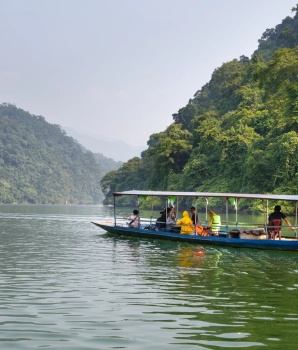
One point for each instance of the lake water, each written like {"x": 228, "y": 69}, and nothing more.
{"x": 66, "y": 284}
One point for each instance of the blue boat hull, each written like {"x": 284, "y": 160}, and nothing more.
{"x": 289, "y": 245}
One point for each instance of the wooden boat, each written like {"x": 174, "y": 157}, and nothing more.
{"x": 230, "y": 235}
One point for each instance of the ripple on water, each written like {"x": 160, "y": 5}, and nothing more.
{"x": 64, "y": 283}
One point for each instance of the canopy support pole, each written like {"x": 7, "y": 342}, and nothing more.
{"x": 196, "y": 204}
{"x": 266, "y": 217}
{"x": 236, "y": 207}
{"x": 166, "y": 209}
{"x": 296, "y": 220}
{"x": 114, "y": 210}
{"x": 151, "y": 211}
{"x": 206, "y": 199}
{"x": 227, "y": 215}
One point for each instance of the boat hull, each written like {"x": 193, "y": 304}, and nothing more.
{"x": 287, "y": 245}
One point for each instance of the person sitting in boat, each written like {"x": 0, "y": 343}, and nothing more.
{"x": 194, "y": 216}
{"x": 275, "y": 219}
{"x": 161, "y": 222}
{"x": 134, "y": 219}
{"x": 171, "y": 223}
{"x": 213, "y": 224}
{"x": 186, "y": 224}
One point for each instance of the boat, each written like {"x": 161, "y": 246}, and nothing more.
{"x": 230, "y": 234}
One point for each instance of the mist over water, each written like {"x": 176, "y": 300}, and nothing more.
{"x": 66, "y": 284}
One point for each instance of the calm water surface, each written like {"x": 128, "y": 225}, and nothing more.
{"x": 66, "y": 284}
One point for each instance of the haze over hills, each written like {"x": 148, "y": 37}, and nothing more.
{"x": 115, "y": 149}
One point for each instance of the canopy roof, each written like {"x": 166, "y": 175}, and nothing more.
{"x": 277, "y": 197}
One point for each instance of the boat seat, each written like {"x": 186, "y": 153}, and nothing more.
{"x": 274, "y": 228}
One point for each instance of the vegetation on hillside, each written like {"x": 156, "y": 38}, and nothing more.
{"x": 40, "y": 164}
{"x": 239, "y": 132}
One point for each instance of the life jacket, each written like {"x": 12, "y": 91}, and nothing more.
{"x": 201, "y": 231}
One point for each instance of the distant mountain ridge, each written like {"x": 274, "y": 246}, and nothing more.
{"x": 115, "y": 149}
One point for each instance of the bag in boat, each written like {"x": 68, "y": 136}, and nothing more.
{"x": 150, "y": 227}
{"x": 201, "y": 231}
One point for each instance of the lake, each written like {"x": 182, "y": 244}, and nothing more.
{"x": 66, "y": 284}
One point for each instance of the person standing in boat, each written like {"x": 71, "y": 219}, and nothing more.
{"x": 194, "y": 216}
{"x": 186, "y": 224}
{"x": 277, "y": 215}
{"x": 214, "y": 223}
{"x": 134, "y": 219}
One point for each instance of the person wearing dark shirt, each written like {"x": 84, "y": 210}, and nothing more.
{"x": 194, "y": 216}
{"x": 161, "y": 222}
{"x": 273, "y": 220}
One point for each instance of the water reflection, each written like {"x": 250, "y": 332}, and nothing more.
{"x": 215, "y": 289}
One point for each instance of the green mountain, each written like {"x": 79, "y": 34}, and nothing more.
{"x": 239, "y": 133}
{"x": 40, "y": 164}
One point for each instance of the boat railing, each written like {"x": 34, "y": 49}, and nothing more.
{"x": 229, "y": 229}
{"x": 120, "y": 221}
{"x": 226, "y": 225}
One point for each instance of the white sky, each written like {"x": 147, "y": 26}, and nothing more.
{"x": 121, "y": 68}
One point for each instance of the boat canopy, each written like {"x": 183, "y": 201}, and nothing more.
{"x": 277, "y": 197}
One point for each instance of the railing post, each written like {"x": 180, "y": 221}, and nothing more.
{"x": 114, "y": 210}
{"x": 227, "y": 215}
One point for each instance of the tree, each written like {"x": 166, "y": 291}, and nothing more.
{"x": 170, "y": 154}
{"x": 185, "y": 116}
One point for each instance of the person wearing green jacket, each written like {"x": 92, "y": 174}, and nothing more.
{"x": 214, "y": 223}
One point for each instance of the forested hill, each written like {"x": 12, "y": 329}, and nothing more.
{"x": 239, "y": 133}
{"x": 40, "y": 164}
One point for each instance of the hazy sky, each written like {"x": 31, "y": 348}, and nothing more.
{"x": 121, "y": 68}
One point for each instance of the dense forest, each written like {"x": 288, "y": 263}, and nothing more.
{"x": 39, "y": 163}
{"x": 239, "y": 133}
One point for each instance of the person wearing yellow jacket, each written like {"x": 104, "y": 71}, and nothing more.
{"x": 186, "y": 224}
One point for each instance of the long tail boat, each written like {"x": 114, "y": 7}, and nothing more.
{"x": 230, "y": 234}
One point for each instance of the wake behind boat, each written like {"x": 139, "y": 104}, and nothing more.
{"x": 230, "y": 234}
